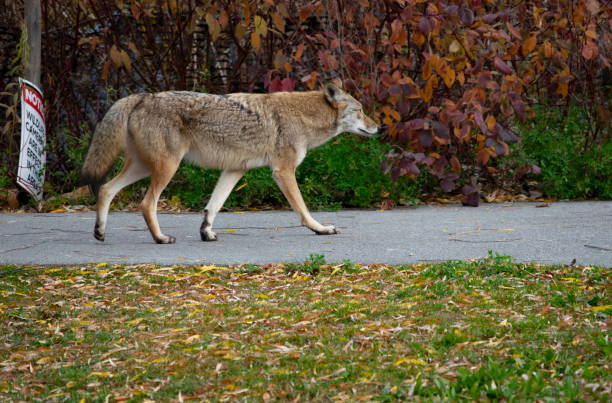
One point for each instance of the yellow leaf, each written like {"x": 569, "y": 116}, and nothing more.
{"x": 134, "y": 322}
{"x": 410, "y": 361}
{"x": 262, "y": 296}
{"x": 336, "y": 270}
{"x": 232, "y": 230}
{"x": 178, "y": 330}
{"x": 43, "y": 360}
{"x": 260, "y": 26}
{"x": 101, "y": 264}
{"x": 58, "y": 210}
{"x": 600, "y": 308}
{"x": 207, "y": 268}
{"x": 132, "y": 379}
{"x": 104, "y": 374}
{"x": 241, "y": 186}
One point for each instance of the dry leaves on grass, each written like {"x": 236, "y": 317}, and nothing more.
{"x": 311, "y": 331}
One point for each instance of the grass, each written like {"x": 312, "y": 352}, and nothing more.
{"x": 484, "y": 330}
{"x": 572, "y": 167}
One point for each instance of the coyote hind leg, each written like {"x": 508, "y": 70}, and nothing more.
{"x": 132, "y": 171}
{"x": 225, "y": 184}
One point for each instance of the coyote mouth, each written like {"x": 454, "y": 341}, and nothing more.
{"x": 366, "y": 133}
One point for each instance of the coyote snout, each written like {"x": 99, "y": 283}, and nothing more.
{"x": 233, "y": 133}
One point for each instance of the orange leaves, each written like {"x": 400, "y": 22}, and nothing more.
{"x": 299, "y": 52}
{"x": 528, "y": 45}
{"x": 404, "y": 60}
{"x": 589, "y": 50}
{"x": 256, "y": 41}
{"x": 428, "y": 92}
{"x": 446, "y": 72}
{"x": 491, "y": 122}
{"x": 442, "y": 68}
{"x": 391, "y": 115}
{"x": 370, "y": 22}
{"x": 399, "y": 36}
{"x": 119, "y": 57}
{"x": 482, "y": 157}
{"x": 279, "y": 22}
{"x": 214, "y": 28}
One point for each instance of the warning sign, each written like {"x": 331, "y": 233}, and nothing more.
{"x": 31, "y": 172}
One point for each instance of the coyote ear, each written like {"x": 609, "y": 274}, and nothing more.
{"x": 337, "y": 82}
{"x": 332, "y": 93}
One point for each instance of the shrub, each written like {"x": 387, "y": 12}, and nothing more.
{"x": 447, "y": 76}
{"x": 572, "y": 168}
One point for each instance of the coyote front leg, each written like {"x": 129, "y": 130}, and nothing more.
{"x": 285, "y": 178}
{"x": 225, "y": 184}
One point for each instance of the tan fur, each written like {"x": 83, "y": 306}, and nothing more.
{"x": 234, "y": 133}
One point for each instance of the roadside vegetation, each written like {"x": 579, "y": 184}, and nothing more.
{"x": 485, "y": 100}
{"x": 484, "y": 330}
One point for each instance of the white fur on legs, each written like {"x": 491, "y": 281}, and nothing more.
{"x": 132, "y": 171}
{"x": 225, "y": 184}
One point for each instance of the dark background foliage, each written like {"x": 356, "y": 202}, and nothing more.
{"x": 454, "y": 80}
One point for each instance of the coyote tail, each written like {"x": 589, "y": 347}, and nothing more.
{"x": 108, "y": 141}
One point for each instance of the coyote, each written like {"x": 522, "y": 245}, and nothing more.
{"x": 233, "y": 133}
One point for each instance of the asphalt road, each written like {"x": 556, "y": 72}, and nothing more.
{"x": 557, "y": 234}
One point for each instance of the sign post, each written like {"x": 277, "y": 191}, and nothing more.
{"x": 32, "y": 157}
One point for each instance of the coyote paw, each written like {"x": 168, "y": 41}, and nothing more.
{"x": 327, "y": 230}
{"x": 208, "y": 236}
{"x": 166, "y": 239}
{"x": 99, "y": 235}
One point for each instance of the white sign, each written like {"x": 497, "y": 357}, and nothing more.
{"x": 31, "y": 172}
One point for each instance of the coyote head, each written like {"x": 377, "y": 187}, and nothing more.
{"x": 350, "y": 112}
